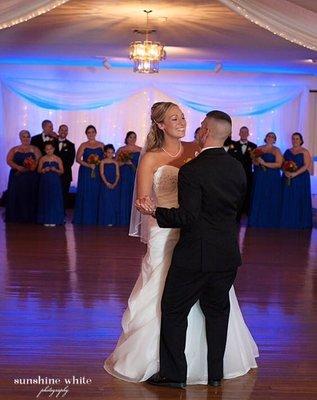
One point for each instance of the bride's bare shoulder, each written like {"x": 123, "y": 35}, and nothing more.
{"x": 149, "y": 157}
{"x": 152, "y": 159}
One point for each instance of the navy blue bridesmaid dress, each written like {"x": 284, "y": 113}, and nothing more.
{"x": 266, "y": 196}
{"x": 109, "y": 198}
{"x": 296, "y": 197}
{"x": 51, "y": 206}
{"x": 88, "y": 190}
{"x": 127, "y": 176}
{"x": 22, "y": 194}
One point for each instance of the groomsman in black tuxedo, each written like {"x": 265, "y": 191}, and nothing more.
{"x": 65, "y": 149}
{"x": 241, "y": 150}
{"x": 47, "y": 135}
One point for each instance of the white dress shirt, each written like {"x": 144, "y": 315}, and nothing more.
{"x": 46, "y": 138}
{"x": 60, "y": 144}
{"x": 244, "y": 146}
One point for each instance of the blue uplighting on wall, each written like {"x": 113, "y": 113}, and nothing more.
{"x": 182, "y": 65}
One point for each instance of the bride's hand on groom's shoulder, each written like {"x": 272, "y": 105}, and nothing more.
{"x": 145, "y": 205}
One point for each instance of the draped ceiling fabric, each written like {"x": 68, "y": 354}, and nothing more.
{"x": 13, "y": 12}
{"x": 284, "y": 18}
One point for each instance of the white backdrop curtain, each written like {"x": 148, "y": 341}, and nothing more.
{"x": 282, "y": 17}
{"x": 13, "y": 12}
{"x": 79, "y": 97}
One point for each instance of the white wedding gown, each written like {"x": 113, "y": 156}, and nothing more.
{"x": 136, "y": 356}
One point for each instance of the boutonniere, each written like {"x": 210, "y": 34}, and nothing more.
{"x": 249, "y": 149}
{"x": 231, "y": 146}
{"x": 197, "y": 153}
{"x": 64, "y": 145}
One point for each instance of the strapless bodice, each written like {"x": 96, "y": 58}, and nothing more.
{"x": 268, "y": 157}
{"x": 297, "y": 158}
{"x": 50, "y": 164}
{"x": 165, "y": 186}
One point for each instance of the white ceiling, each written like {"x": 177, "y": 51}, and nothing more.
{"x": 196, "y": 34}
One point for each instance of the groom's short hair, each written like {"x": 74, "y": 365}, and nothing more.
{"x": 219, "y": 115}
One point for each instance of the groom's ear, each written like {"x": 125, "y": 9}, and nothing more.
{"x": 205, "y": 134}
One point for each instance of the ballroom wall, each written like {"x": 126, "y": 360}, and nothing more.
{"x": 118, "y": 100}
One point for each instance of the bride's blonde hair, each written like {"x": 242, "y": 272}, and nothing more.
{"x": 155, "y": 137}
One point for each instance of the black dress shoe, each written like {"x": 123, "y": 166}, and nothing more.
{"x": 158, "y": 380}
{"x": 214, "y": 382}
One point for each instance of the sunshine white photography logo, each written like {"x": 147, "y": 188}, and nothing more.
{"x": 53, "y": 387}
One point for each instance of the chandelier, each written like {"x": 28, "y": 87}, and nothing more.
{"x": 146, "y": 55}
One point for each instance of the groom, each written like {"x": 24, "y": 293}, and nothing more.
{"x": 211, "y": 188}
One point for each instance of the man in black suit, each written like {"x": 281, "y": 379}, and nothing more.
{"x": 211, "y": 188}
{"x": 47, "y": 135}
{"x": 65, "y": 149}
{"x": 241, "y": 150}
{"x": 228, "y": 144}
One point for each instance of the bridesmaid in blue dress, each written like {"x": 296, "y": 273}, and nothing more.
{"x": 89, "y": 155}
{"x": 128, "y": 158}
{"x": 21, "y": 198}
{"x": 108, "y": 214}
{"x": 266, "y": 194}
{"x": 296, "y": 191}
{"x": 51, "y": 204}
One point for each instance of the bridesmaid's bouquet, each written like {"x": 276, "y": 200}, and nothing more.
{"x": 289, "y": 166}
{"x": 93, "y": 159}
{"x": 257, "y": 153}
{"x": 124, "y": 156}
{"x": 29, "y": 163}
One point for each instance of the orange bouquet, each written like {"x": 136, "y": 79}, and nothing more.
{"x": 257, "y": 153}
{"x": 93, "y": 159}
{"x": 124, "y": 156}
{"x": 289, "y": 166}
{"x": 29, "y": 163}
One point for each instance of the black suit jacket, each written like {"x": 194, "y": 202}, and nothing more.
{"x": 37, "y": 141}
{"x": 236, "y": 151}
{"x": 211, "y": 188}
{"x": 67, "y": 154}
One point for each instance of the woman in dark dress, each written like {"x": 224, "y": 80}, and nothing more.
{"x": 51, "y": 204}
{"x": 266, "y": 191}
{"x": 89, "y": 156}
{"x": 296, "y": 190}
{"x": 21, "y": 199}
{"x": 128, "y": 158}
{"x": 108, "y": 214}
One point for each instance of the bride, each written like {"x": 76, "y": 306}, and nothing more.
{"x": 136, "y": 356}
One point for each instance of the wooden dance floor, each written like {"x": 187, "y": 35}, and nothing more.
{"x": 63, "y": 291}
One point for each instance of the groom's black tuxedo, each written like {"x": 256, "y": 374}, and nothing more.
{"x": 211, "y": 188}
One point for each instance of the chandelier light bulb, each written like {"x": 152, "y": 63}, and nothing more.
{"x": 146, "y": 55}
